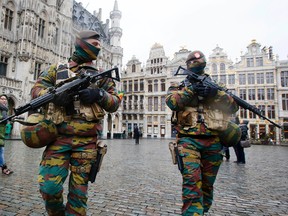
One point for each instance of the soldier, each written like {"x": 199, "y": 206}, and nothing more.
{"x": 199, "y": 117}
{"x": 78, "y": 121}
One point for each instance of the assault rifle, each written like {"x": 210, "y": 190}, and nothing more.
{"x": 238, "y": 100}
{"x": 72, "y": 86}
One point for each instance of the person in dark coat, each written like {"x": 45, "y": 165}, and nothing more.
{"x": 136, "y": 135}
{"x": 240, "y": 150}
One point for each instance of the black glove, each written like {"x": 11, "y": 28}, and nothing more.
{"x": 89, "y": 96}
{"x": 63, "y": 99}
{"x": 205, "y": 91}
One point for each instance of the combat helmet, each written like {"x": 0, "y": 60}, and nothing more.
{"x": 196, "y": 62}
{"x": 37, "y": 132}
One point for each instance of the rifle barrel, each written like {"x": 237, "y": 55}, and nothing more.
{"x": 237, "y": 99}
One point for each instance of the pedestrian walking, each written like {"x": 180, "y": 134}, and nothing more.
{"x": 124, "y": 134}
{"x": 78, "y": 121}
{"x": 244, "y": 135}
{"x": 136, "y": 135}
{"x": 3, "y": 115}
{"x": 200, "y": 114}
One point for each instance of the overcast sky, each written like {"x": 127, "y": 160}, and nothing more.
{"x": 201, "y": 24}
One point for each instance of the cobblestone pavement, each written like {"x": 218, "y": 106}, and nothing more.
{"x": 141, "y": 180}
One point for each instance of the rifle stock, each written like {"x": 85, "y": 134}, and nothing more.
{"x": 237, "y": 99}
{"x": 76, "y": 84}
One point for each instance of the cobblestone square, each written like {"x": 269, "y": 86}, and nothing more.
{"x": 141, "y": 180}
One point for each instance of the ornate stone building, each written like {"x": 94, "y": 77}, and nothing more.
{"x": 35, "y": 34}
{"x": 258, "y": 78}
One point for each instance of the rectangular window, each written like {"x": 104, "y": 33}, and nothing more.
{"x": 285, "y": 102}
{"x": 125, "y": 86}
{"x": 260, "y": 78}
{"x": 135, "y": 85}
{"x": 3, "y": 65}
{"x": 155, "y": 103}
{"x": 243, "y": 94}
{"x": 130, "y": 102}
{"x": 141, "y": 102}
{"x": 163, "y": 87}
{"x": 251, "y": 78}
{"x": 243, "y": 113}
{"x": 269, "y": 77}
{"x": 124, "y": 103}
{"x": 250, "y": 62}
{"x": 262, "y": 109}
{"x": 162, "y": 119}
{"x": 284, "y": 78}
{"x": 271, "y": 111}
{"x": 242, "y": 79}
{"x": 135, "y": 102}
{"x": 163, "y": 103}
{"x": 223, "y": 79}
{"x": 155, "y": 85}
{"x": 130, "y": 86}
{"x": 149, "y": 87}
{"x": 149, "y": 119}
{"x": 141, "y": 84}
{"x": 251, "y": 94}
{"x": 252, "y": 115}
{"x": 150, "y": 104}
{"x": 8, "y": 19}
{"x": 37, "y": 70}
{"x": 41, "y": 28}
{"x": 259, "y": 61}
{"x": 231, "y": 79}
{"x": 270, "y": 94}
{"x": 261, "y": 94}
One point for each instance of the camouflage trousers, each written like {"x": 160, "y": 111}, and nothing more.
{"x": 201, "y": 159}
{"x": 67, "y": 152}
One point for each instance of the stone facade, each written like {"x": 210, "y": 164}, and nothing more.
{"x": 259, "y": 78}
{"x": 35, "y": 34}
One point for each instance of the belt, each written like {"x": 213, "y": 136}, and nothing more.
{"x": 81, "y": 169}
{"x": 84, "y": 155}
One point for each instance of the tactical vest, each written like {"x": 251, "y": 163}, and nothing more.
{"x": 58, "y": 114}
{"x": 213, "y": 119}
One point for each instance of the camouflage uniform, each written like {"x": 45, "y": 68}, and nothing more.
{"x": 198, "y": 141}
{"x": 75, "y": 146}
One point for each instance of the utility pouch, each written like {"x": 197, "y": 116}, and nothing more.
{"x": 101, "y": 150}
{"x": 98, "y": 111}
{"x": 188, "y": 118}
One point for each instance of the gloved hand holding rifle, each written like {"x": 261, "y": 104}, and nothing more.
{"x": 64, "y": 91}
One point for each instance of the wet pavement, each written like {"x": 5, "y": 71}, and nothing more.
{"x": 141, "y": 180}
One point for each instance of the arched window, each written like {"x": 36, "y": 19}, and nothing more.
{"x": 155, "y": 85}
{"x": 133, "y": 68}
{"x": 149, "y": 86}
{"x": 222, "y": 68}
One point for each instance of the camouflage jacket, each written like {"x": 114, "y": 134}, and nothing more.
{"x": 109, "y": 102}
